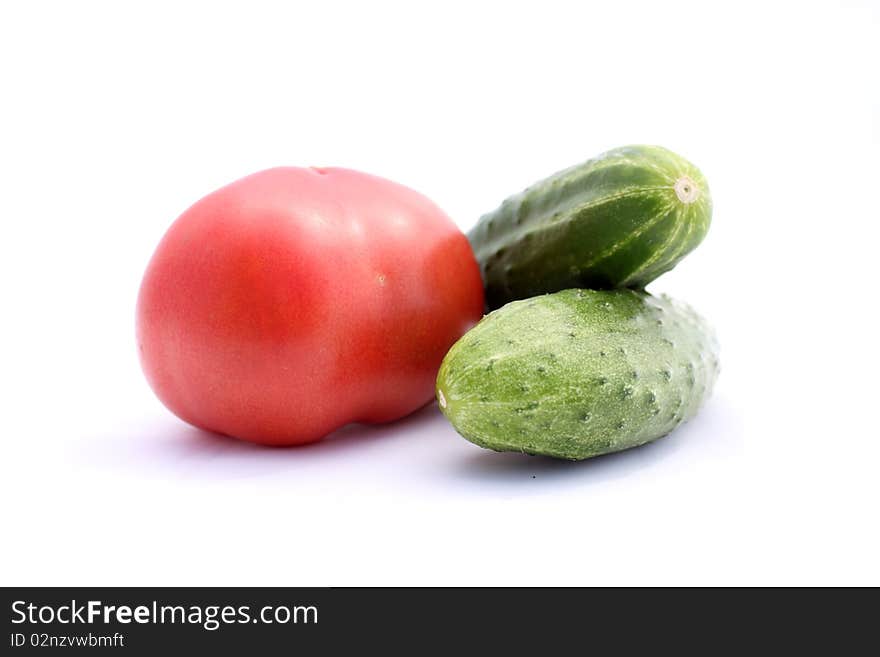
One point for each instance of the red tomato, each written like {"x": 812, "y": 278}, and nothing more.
{"x": 295, "y": 301}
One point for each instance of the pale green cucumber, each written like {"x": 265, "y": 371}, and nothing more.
{"x": 618, "y": 220}
{"x": 578, "y": 373}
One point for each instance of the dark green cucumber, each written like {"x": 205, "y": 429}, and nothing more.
{"x": 618, "y": 220}
{"x": 578, "y": 373}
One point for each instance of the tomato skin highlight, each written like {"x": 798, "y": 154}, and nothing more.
{"x": 294, "y": 301}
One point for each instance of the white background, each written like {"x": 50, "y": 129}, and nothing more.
{"x": 114, "y": 117}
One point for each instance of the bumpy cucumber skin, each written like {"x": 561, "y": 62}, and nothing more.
{"x": 619, "y": 220}
{"x": 578, "y": 373}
